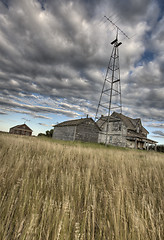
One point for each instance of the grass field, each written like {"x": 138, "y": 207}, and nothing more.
{"x": 52, "y": 190}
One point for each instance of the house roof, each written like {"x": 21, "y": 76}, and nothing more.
{"x": 22, "y": 127}
{"x": 130, "y": 123}
{"x": 75, "y": 122}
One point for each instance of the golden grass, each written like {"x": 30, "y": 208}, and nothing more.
{"x": 52, "y": 191}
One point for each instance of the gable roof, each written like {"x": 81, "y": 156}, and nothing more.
{"x": 75, "y": 122}
{"x": 22, "y": 126}
{"x": 130, "y": 123}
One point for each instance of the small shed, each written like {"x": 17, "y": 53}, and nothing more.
{"x": 21, "y": 130}
{"x": 84, "y": 129}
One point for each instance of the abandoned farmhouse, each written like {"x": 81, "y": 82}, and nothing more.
{"x": 122, "y": 131}
{"x": 21, "y": 130}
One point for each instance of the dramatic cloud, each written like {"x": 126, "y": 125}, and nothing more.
{"x": 160, "y": 133}
{"x": 3, "y": 113}
{"x": 53, "y": 56}
{"x": 43, "y": 124}
{"x": 156, "y": 125}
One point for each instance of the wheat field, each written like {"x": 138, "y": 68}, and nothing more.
{"x": 52, "y": 190}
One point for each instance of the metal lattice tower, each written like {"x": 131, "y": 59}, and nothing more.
{"x": 110, "y": 98}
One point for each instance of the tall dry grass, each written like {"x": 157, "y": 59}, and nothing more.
{"x": 55, "y": 191}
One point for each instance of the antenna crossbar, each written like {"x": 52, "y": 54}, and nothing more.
{"x": 117, "y": 27}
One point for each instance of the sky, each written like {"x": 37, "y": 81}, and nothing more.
{"x": 54, "y": 55}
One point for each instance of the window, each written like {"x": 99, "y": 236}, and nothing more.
{"x": 116, "y": 126}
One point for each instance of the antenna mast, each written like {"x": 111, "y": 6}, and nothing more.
{"x": 110, "y": 98}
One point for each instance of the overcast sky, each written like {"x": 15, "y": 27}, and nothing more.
{"x": 54, "y": 54}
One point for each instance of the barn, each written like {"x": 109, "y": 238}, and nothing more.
{"x": 84, "y": 129}
{"x": 21, "y": 130}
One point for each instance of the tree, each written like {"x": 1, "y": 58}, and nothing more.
{"x": 41, "y": 135}
{"x": 49, "y": 133}
{"x": 160, "y": 148}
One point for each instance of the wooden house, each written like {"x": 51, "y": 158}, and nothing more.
{"x": 84, "y": 129}
{"x": 21, "y": 130}
{"x": 123, "y": 131}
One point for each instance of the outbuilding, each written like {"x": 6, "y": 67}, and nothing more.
{"x": 21, "y": 130}
{"x": 84, "y": 129}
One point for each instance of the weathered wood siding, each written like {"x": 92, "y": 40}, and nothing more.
{"x": 19, "y": 131}
{"x": 117, "y": 132}
{"x": 87, "y": 132}
{"x": 130, "y": 144}
{"x": 64, "y": 133}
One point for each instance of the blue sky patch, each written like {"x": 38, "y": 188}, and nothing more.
{"x": 42, "y": 2}
{"x": 5, "y": 2}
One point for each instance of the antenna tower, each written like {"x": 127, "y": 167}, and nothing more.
{"x": 110, "y": 98}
